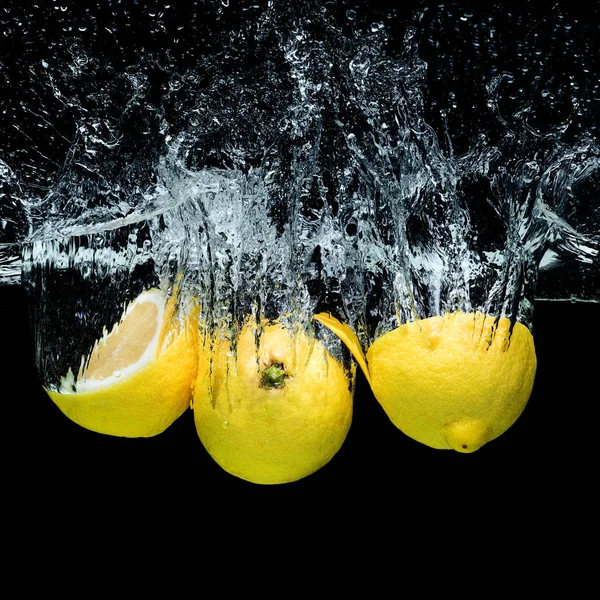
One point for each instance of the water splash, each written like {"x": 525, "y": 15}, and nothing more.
{"x": 384, "y": 165}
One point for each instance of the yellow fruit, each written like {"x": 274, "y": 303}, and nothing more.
{"x": 456, "y": 381}
{"x": 139, "y": 377}
{"x": 272, "y": 412}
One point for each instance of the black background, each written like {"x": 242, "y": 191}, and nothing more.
{"x": 551, "y": 449}
{"x": 548, "y": 457}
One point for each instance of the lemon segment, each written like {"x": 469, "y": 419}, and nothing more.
{"x": 138, "y": 378}
{"x": 455, "y": 381}
{"x": 274, "y": 411}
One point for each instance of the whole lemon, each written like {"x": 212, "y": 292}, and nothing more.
{"x": 274, "y": 407}
{"x": 455, "y": 381}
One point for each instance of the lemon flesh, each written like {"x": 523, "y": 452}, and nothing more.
{"x": 138, "y": 378}
{"x": 455, "y": 381}
{"x": 272, "y": 412}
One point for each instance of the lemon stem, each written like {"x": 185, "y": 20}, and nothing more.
{"x": 273, "y": 376}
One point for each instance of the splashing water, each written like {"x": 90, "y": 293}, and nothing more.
{"x": 288, "y": 159}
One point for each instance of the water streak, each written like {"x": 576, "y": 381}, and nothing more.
{"x": 381, "y": 165}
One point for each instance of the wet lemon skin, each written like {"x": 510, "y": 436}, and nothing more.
{"x": 271, "y": 434}
{"x": 456, "y": 381}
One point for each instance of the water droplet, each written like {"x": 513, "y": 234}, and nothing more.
{"x": 225, "y": 424}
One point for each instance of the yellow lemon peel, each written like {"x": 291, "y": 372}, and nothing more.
{"x": 348, "y": 337}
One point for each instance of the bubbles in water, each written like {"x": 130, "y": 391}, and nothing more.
{"x": 379, "y": 165}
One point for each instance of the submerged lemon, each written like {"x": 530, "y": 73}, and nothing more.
{"x": 274, "y": 410}
{"x": 455, "y": 381}
{"x": 138, "y": 378}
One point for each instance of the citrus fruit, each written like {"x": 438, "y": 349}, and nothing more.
{"x": 274, "y": 407}
{"x": 138, "y": 378}
{"x": 455, "y": 381}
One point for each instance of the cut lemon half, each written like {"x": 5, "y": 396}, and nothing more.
{"x": 138, "y": 378}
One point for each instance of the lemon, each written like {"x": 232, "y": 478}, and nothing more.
{"x": 274, "y": 408}
{"x": 455, "y": 381}
{"x": 138, "y": 378}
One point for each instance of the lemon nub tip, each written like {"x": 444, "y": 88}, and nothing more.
{"x": 467, "y": 436}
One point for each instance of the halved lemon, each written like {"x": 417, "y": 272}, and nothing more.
{"x": 138, "y": 378}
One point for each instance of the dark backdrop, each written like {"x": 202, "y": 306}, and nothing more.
{"x": 551, "y": 449}
{"x": 52, "y": 466}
